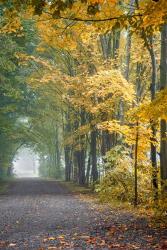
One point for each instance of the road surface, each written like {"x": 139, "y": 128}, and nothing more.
{"x": 43, "y": 214}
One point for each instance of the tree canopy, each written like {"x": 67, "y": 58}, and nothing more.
{"x": 84, "y": 83}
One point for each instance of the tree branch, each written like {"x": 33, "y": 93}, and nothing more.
{"x": 94, "y": 20}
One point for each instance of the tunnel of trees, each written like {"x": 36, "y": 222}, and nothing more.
{"x": 84, "y": 84}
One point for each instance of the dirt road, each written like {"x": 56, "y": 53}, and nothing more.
{"x": 43, "y": 214}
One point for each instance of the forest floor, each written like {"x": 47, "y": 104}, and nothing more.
{"x": 44, "y": 214}
{"x": 3, "y": 186}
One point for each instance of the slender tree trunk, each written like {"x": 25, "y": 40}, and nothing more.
{"x": 75, "y": 167}
{"x": 128, "y": 45}
{"x": 154, "y": 163}
{"x": 136, "y": 166}
{"x": 116, "y": 42}
{"x": 88, "y": 170}
{"x": 127, "y": 59}
{"x": 67, "y": 149}
{"x": 58, "y": 161}
{"x": 153, "y": 126}
{"x": 67, "y": 163}
{"x": 81, "y": 153}
{"x": 106, "y": 41}
{"x": 81, "y": 166}
{"x": 94, "y": 156}
{"x": 153, "y": 151}
{"x": 163, "y": 123}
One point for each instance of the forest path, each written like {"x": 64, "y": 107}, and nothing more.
{"x": 43, "y": 214}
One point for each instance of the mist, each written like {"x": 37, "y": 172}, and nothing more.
{"x": 26, "y": 164}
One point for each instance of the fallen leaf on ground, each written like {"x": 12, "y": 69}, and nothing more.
{"x": 12, "y": 245}
{"x": 52, "y": 248}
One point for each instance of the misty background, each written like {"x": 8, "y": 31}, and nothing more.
{"x": 26, "y": 163}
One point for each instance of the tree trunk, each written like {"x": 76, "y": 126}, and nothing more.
{"x": 116, "y": 42}
{"x": 106, "y": 42}
{"x": 75, "y": 167}
{"x": 153, "y": 126}
{"x": 163, "y": 123}
{"x": 94, "y": 156}
{"x": 136, "y": 166}
{"x": 128, "y": 45}
{"x": 67, "y": 163}
{"x": 67, "y": 148}
{"x": 58, "y": 156}
{"x": 81, "y": 166}
{"x": 88, "y": 171}
{"x": 81, "y": 153}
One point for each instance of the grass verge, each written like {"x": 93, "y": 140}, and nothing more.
{"x": 77, "y": 189}
{"x": 3, "y": 186}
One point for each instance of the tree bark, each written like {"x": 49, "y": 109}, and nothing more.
{"x": 136, "y": 166}
{"x": 153, "y": 126}
{"x": 94, "y": 156}
{"x": 163, "y": 123}
{"x": 88, "y": 170}
{"x": 67, "y": 150}
{"x": 128, "y": 45}
{"x": 67, "y": 164}
{"x": 81, "y": 166}
{"x": 58, "y": 154}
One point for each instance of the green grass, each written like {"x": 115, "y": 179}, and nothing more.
{"x": 4, "y": 183}
{"x": 75, "y": 188}
{"x": 3, "y": 186}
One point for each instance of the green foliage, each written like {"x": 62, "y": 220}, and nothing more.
{"x": 118, "y": 182}
{"x": 114, "y": 156}
{"x": 15, "y": 95}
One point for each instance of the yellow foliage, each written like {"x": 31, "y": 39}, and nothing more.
{"x": 11, "y": 23}
{"x": 157, "y": 109}
{"x": 101, "y": 92}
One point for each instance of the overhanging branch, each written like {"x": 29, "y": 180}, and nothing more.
{"x": 78, "y": 19}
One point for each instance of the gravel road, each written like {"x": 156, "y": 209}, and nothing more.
{"x": 43, "y": 214}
